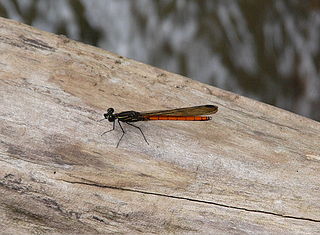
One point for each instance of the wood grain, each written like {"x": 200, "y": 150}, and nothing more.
{"x": 252, "y": 169}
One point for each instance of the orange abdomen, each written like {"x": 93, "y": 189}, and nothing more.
{"x": 178, "y": 118}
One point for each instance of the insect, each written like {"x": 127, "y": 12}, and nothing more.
{"x": 194, "y": 113}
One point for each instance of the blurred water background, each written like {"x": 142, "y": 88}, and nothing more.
{"x": 267, "y": 50}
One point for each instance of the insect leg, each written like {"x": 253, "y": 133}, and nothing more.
{"x": 122, "y": 133}
{"x": 139, "y": 130}
{"x": 111, "y": 129}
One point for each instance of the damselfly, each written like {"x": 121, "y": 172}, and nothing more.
{"x": 194, "y": 113}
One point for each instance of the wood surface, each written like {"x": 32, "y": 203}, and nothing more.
{"x": 252, "y": 169}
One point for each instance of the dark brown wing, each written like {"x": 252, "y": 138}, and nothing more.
{"x": 189, "y": 111}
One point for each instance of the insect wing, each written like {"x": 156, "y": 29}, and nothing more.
{"x": 189, "y": 111}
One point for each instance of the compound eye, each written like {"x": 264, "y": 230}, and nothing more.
{"x": 110, "y": 110}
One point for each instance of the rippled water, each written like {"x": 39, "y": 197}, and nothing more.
{"x": 266, "y": 49}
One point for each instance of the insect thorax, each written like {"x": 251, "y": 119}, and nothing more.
{"x": 129, "y": 116}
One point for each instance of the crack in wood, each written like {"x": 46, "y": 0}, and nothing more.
{"x": 36, "y": 43}
{"x": 190, "y": 199}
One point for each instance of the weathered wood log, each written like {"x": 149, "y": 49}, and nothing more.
{"x": 253, "y": 168}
